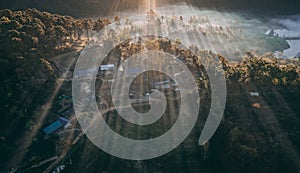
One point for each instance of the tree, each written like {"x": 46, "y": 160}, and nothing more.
{"x": 87, "y": 25}
{"x": 98, "y": 25}
{"x": 78, "y": 27}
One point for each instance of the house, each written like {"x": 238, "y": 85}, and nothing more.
{"x": 64, "y": 103}
{"x": 107, "y": 67}
{"x": 68, "y": 112}
{"x": 56, "y": 125}
{"x": 255, "y": 94}
{"x": 163, "y": 84}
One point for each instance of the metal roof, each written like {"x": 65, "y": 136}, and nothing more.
{"x": 54, "y": 126}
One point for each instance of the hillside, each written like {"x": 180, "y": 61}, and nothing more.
{"x": 29, "y": 40}
{"x": 259, "y": 133}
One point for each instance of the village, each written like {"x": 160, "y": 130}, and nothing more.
{"x": 62, "y": 134}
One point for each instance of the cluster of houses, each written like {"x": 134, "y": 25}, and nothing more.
{"x": 65, "y": 108}
{"x": 157, "y": 83}
{"x": 93, "y": 71}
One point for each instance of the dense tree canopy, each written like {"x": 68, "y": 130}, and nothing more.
{"x": 28, "y": 41}
{"x": 30, "y": 38}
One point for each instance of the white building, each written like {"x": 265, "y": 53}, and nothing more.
{"x": 107, "y": 67}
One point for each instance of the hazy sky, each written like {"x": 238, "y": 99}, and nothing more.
{"x": 83, "y": 8}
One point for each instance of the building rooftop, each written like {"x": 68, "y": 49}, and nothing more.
{"x": 54, "y": 126}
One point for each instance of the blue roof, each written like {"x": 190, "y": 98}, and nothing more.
{"x": 59, "y": 123}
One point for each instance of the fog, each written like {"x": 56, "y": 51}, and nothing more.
{"x": 227, "y": 33}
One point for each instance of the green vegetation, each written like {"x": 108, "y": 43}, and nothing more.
{"x": 258, "y": 134}
{"x": 260, "y": 138}
{"x": 28, "y": 41}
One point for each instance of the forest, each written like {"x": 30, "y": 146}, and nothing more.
{"x": 248, "y": 140}
{"x": 29, "y": 39}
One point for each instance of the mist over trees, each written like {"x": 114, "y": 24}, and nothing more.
{"x": 30, "y": 38}
{"x": 31, "y": 35}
